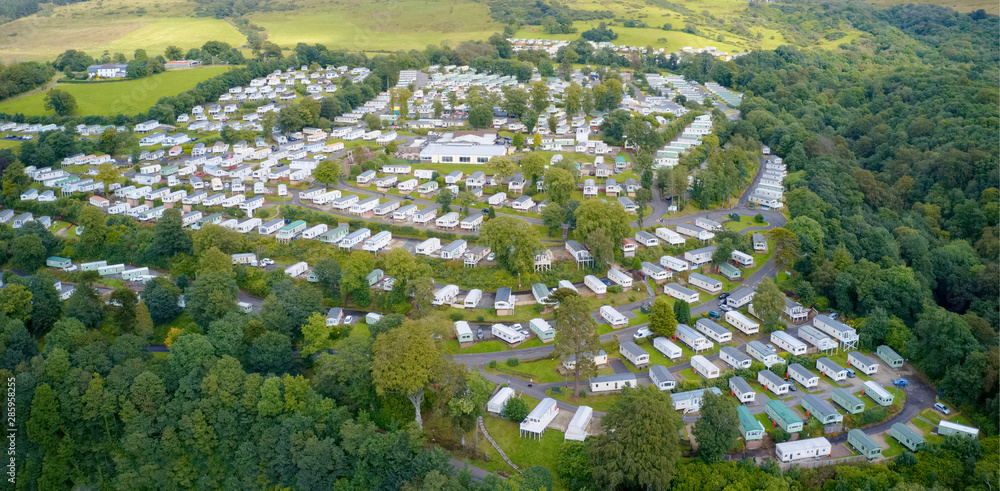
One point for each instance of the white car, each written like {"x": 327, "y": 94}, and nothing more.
{"x": 348, "y": 319}
{"x": 641, "y": 333}
{"x": 266, "y": 261}
{"x": 491, "y": 256}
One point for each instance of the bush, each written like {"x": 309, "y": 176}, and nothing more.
{"x": 480, "y": 318}
{"x": 515, "y": 410}
{"x": 758, "y": 218}
{"x": 513, "y": 362}
{"x": 615, "y": 289}
{"x": 493, "y": 364}
{"x": 456, "y": 316}
{"x": 779, "y": 435}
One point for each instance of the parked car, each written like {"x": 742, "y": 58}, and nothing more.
{"x": 408, "y": 197}
{"x": 491, "y": 256}
{"x": 725, "y": 308}
{"x": 348, "y": 319}
{"x": 792, "y": 387}
{"x": 641, "y": 333}
{"x": 606, "y": 282}
{"x": 479, "y": 334}
{"x": 851, "y": 373}
{"x": 266, "y": 261}
{"x": 833, "y": 315}
{"x": 942, "y": 408}
{"x": 900, "y": 382}
{"x": 714, "y": 314}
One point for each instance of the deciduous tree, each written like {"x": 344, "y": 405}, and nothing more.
{"x": 768, "y": 304}
{"x": 559, "y": 185}
{"x": 662, "y": 320}
{"x": 514, "y": 242}
{"x": 404, "y": 362}
{"x": 786, "y": 248}
{"x": 718, "y": 428}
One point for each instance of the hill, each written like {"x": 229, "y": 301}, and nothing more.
{"x": 111, "y": 98}
{"x": 96, "y": 26}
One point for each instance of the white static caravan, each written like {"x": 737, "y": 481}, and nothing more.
{"x": 661, "y": 377}
{"x": 315, "y": 231}
{"x": 428, "y": 247}
{"x": 613, "y": 317}
{"x": 802, "y": 375}
{"x": 567, "y": 285}
{"x": 815, "y": 337}
{"x": 633, "y": 353}
{"x": 840, "y": 332}
{"x": 866, "y": 365}
{"x": 695, "y": 340}
{"x": 386, "y": 208}
{"x": 454, "y": 250}
{"x": 612, "y": 381}
{"x": 507, "y": 334}
{"x": 668, "y": 348}
{"x": 772, "y": 382}
{"x": 741, "y": 390}
{"x": 620, "y": 278}
{"x": 577, "y": 429}
{"x": 404, "y": 213}
{"x": 539, "y": 418}
{"x": 354, "y": 238}
{"x": 736, "y": 319}
{"x": 673, "y": 263}
{"x": 740, "y": 296}
{"x": 248, "y": 225}
{"x": 741, "y": 258}
{"x": 877, "y": 393}
{"x": 713, "y": 330}
{"x": 830, "y": 369}
{"x": 674, "y": 290}
{"x": 595, "y": 284}
{"x": 734, "y": 357}
{"x": 344, "y": 202}
{"x": 788, "y": 343}
{"x": 499, "y": 401}
{"x": 448, "y": 294}
{"x": 710, "y": 285}
{"x": 763, "y": 353}
{"x": 655, "y": 272}
{"x": 448, "y": 220}
{"x": 646, "y": 239}
{"x": 704, "y": 367}
{"x": 669, "y": 236}
{"x": 473, "y": 298}
{"x": 948, "y": 428}
{"x": 297, "y": 269}
{"x": 377, "y": 241}
{"x": 690, "y": 401}
{"x": 812, "y": 448}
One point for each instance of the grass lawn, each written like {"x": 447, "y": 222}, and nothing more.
{"x": 541, "y": 371}
{"x": 359, "y": 330}
{"x": 936, "y": 417}
{"x": 119, "y": 26}
{"x": 742, "y": 224}
{"x": 380, "y": 26}
{"x": 601, "y": 402}
{"x": 895, "y": 448}
{"x": 124, "y": 97}
{"x": 525, "y": 452}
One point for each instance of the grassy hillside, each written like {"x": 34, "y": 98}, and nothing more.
{"x": 113, "y": 25}
{"x": 380, "y": 26}
{"x": 111, "y": 98}
{"x": 97, "y": 26}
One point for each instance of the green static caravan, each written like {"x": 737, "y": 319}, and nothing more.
{"x": 729, "y": 271}
{"x": 907, "y": 437}
{"x": 333, "y": 236}
{"x": 93, "y": 266}
{"x": 946, "y": 428}
{"x": 889, "y": 356}
{"x": 878, "y": 393}
{"x": 864, "y": 444}
{"x": 291, "y": 230}
{"x": 750, "y": 428}
{"x": 59, "y": 262}
{"x": 111, "y": 269}
{"x": 821, "y": 410}
{"x": 783, "y": 416}
{"x": 852, "y": 403}
{"x": 135, "y": 273}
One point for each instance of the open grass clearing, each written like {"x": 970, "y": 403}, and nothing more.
{"x": 118, "y": 26}
{"x": 123, "y": 97}
{"x": 599, "y": 402}
{"x": 380, "y": 26}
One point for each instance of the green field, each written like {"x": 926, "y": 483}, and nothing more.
{"x": 112, "y": 25}
{"x": 380, "y": 26}
{"x": 111, "y": 98}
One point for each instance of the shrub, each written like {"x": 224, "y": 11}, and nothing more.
{"x": 456, "y": 316}
{"x": 615, "y": 289}
{"x": 493, "y": 364}
{"x": 513, "y": 362}
{"x": 779, "y": 435}
{"x": 515, "y": 410}
{"x": 480, "y": 318}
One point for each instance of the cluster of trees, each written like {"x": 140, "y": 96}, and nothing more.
{"x": 17, "y": 78}
{"x": 599, "y": 34}
{"x": 539, "y": 13}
